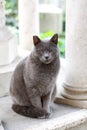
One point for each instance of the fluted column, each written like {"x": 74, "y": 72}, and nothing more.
{"x": 74, "y": 90}
{"x": 28, "y": 22}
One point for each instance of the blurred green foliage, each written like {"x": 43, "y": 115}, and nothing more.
{"x": 12, "y": 14}
{"x": 61, "y": 41}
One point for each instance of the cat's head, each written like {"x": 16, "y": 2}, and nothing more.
{"x": 46, "y": 51}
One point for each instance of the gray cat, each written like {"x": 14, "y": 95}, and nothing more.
{"x": 33, "y": 84}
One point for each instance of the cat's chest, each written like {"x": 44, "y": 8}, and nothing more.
{"x": 45, "y": 85}
{"x": 45, "y": 79}
{"x": 45, "y": 73}
{"x": 46, "y": 70}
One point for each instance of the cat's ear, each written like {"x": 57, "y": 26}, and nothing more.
{"x": 54, "y": 38}
{"x": 36, "y": 40}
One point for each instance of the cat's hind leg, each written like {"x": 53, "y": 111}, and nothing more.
{"x": 29, "y": 111}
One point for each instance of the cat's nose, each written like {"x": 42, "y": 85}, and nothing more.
{"x": 46, "y": 57}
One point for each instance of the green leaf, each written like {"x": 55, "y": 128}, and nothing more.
{"x": 46, "y": 34}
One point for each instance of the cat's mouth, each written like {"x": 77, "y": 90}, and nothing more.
{"x": 46, "y": 61}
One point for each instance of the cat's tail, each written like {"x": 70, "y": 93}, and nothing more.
{"x": 29, "y": 111}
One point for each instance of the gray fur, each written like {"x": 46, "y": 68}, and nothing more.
{"x": 33, "y": 84}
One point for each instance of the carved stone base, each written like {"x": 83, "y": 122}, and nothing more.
{"x": 76, "y": 103}
{"x": 74, "y": 96}
{"x": 78, "y": 93}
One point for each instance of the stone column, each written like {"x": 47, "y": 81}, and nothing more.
{"x": 28, "y": 22}
{"x": 74, "y": 90}
{"x": 8, "y": 52}
{"x": 2, "y": 13}
{"x": 8, "y": 42}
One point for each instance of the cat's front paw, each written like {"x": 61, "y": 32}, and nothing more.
{"x": 49, "y": 113}
{"x": 46, "y": 116}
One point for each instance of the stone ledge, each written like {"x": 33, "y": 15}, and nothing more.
{"x": 63, "y": 117}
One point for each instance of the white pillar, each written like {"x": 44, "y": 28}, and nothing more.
{"x": 2, "y": 13}
{"x": 8, "y": 42}
{"x": 28, "y": 22}
{"x": 75, "y": 85}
